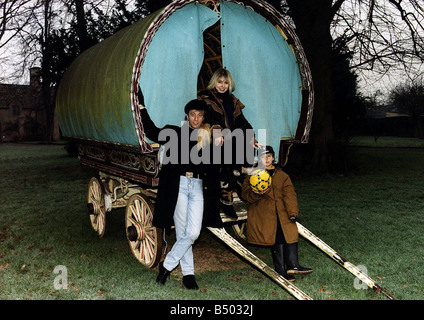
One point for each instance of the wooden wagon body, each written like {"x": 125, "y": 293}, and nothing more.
{"x": 171, "y": 54}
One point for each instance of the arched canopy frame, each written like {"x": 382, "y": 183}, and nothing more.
{"x": 97, "y": 96}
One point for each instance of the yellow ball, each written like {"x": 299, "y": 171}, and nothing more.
{"x": 260, "y": 180}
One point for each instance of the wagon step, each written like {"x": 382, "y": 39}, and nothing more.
{"x": 262, "y": 266}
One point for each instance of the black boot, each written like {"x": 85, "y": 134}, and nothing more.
{"x": 229, "y": 210}
{"x": 190, "y": 283}
{"x": 163, "y": 274}
{"x": 277, "y": 251}
{"x": 292, "y": 260}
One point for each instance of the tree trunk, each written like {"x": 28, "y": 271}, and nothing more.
{"x": 312, "y": 19}
{"x": 84, "y": 39}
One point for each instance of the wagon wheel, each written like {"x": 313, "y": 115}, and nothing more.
{"x": 144, "y": 239}
{"x": 96, "y": 206}
{"x": 239, "y": 229}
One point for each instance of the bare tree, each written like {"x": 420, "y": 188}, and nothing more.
{"x": 387, "y": 37}
{"x": 384, "y": 37}
{"x": 15, "y": 16}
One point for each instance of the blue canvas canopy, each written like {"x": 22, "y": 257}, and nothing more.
{"x": 168, "y": 55}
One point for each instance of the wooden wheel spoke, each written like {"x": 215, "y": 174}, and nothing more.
{"x": 100, "y": 221}
{"x": 134, "y": 214}
{"x": 148, "y": 251}
{"x": 132, "y": 221}
{"x": 137, "y": 245}
{"x": 145, "y": 214}
{"x": 149, "y": 218}
{"x": 141, "y": 250}
{"x": 134, "y": 244}
{"x": 142, "y": 213}
{"x": 135, "y": 209}
{"x": 149, "y": 238}
{"x": 96, "y": 191}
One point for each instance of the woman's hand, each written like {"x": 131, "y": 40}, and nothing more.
{"x": 219, "y": 141}
{"x": 218, "y": 138}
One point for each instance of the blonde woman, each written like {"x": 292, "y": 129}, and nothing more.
{"x": 225, "y": 112}
{"x": 226, "y": 109}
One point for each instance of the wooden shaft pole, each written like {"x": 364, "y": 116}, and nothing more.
{"x": 342, "y": 261}
{"x": 262, "y": 266}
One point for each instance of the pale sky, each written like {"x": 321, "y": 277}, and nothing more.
{"x": 369, "y": 82}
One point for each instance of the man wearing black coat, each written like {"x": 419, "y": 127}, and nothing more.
{"x": 189, "y": 189}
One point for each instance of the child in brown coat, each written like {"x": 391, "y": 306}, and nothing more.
{"x": 271, "y": 219}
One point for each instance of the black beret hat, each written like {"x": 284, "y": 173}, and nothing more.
{"x": 195, "y": 104}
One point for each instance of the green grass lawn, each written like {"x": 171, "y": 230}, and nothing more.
{"x": 372, "y": 217}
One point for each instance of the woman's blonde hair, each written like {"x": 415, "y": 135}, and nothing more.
{"x": 221, "y": 72}
{"x": 204, "y": 134}
{"x": 204, "y": 137}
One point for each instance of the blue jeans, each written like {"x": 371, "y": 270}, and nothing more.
{"x": 188, "y": 217}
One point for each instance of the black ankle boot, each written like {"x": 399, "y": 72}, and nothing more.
{"x": 292, "y": 260}
{"x": 229, "y": 210}
{"x": 163, "y": 274}
{"x": 277, "y": 251}
{"x": 190, "y": 283}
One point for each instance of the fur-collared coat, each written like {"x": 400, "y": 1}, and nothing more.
{"x": 279, "y": 202}
{"x": 216, "y": 115}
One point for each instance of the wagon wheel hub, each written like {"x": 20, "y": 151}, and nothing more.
{"x": 94, "y": 208}
{"x": 136, "y": 232}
